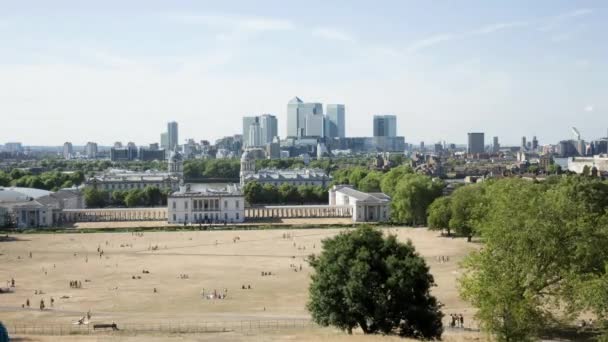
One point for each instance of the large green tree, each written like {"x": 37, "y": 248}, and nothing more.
{"x": 544, "y": 252}
{"x": 376, "y": 283}
{"x": 412, "y": 197}
{"x": 440, "y": 213}
{"x": 94, "y": 198}
{"x": 468, "y": 207}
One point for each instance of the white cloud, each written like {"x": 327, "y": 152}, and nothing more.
{"x": 430, "y": 41}
{"x": 555, "y": 22}
{"x": 499, "y": 27}
{"x": 588, "y": 108}
{"x": 333, "y": 34}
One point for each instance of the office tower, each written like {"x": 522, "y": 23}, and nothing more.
{"x": 476, "y": 143}
{"x": 335, "y": 124}
{"x": 297, "y": 116}
{"x": 269, "y": 128}
{"x": 117, "y": 144}
{"x": 422, "y": 146}
{"x": 315, "y": 125}
{"x": 254, "y": 135}
{"x": 90, "y": 150}
{"x": 172, "y": 136}
{"x": 164, "y": 141}
{"x": 132, "y": 150}
{"x": 385, "y": 126}
{"x": 534, "y": 143}
{"x": 247, "y": 122}
{"x": 68, "y": 150}
{"x": 523, "y": 142}
{"x": 495, "y": 145}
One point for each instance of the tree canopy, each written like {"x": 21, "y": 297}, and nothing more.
{"x": 376, "y": 283}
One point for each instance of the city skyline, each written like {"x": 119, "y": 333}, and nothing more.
{"x": 507, "y": 70}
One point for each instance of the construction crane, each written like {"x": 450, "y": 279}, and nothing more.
{"x": 576, "y": 133}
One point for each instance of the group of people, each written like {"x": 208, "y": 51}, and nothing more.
{"x": 75, "y": 284}
{"x": 294, "y": 267}
{"x": 456, "y": 321}
{"x": 215, "y": 294}
{"x": 266, "y": 273}
{"x": 442, "y": 259}
{"x": 246, "y": 288}
{"x": 10, "y": 283}
{"x": 184, "y": 276}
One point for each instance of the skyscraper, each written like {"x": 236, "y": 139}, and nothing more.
{"x": 385, "y": 126}
{"x": 334, "y": 121}
{"x": 269, "y": 128}
{"x": 534, "y": 143}
{"x": 495, "y": 145}
{"x": 68, "y": 150}
{"x": 476, "y": 143}
{"x": 297, "y": 117}
{"x": 315, "y": 125}
{"x": 91, "y": 150}
{"x": 172, "y": 137}
{"x": 523, "y": 143}
{"x": 164, "y": 141}
{"x": 247, "y": 122}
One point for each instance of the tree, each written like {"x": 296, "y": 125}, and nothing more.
{"x": 371, "y": 182}
{"x": 3, "y": 333}
{"x": 5, "y": 179}
{"x": 378, "y": 284}
{"x": 467, "y": 209}
{"x": 118, "y": 198}
{"x": 412, "y": 197}
{"x": 288, "y": 193}
{"x": 440, "y": 213}
{"x": 544, "y": 254}
{"x": 391, "y": 178}
{"x": 253, "y": 192}
{"x": 134, "y": 198}
{"x": 94, "y": 198}
{"x": 152, "y": 196}
{"x": 356, "y": 175}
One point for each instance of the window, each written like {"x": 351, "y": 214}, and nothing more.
{"x": 186, "y": 218}
{"x": 174, "y": 217}
{"x": 237, "y": 216}
{"x": 174, "y": 206}
{"x": 225, "y": 216}
{"x": 186, "y": 205}
{"x": 225, "y": 204}
{"x": 237, "y": 204}
{"x": 217, "y": 204}
{"x": 195, "y": 204}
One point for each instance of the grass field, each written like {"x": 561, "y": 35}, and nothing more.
{"x": 220, "y": 261}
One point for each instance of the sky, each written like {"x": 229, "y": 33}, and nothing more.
{"x": 112, "y": 70}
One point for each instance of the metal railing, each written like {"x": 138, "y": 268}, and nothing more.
{"x": 165, "y": 327}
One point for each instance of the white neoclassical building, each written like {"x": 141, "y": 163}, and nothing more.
{"x": 276, "y": 177}
{"x": 116, "y": 179}
{"x": 367, "y": 207}
{"x": 201, "y": 203}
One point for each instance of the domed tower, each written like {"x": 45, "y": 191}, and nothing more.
{"x": 247, "y": 166}
{"x": 176, "y": 165}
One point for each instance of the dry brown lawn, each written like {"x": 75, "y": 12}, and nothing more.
{"x": 212, "y": 260}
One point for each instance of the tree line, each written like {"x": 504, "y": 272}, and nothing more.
{"x": 147, "y": 197}
{"x": 544, "y": 258}
{"x": 52, "y": 180}
{"x": 257, "y": 193}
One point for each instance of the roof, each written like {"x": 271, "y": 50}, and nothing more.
{"x": 201, "y": 190}
{"x": 364, "y": 197}
{"x": 295, "y": 100}
{"x": 17, "y": 194}
{"x": 294, "y": 174}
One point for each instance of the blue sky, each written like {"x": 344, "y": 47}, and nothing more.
{"x": 119, "y": 70}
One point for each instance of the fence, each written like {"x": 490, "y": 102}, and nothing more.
{"x": 169, "y": 327}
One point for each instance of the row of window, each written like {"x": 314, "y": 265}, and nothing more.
{"x": 211, "y": 204}
{"x": 261, "y": 181}
{"x": 126, "y": 186}
{"x": 206, "y": 217}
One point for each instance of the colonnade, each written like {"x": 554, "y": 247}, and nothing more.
{"x": 299, "y": 211}
{"x": 109, "y": 215}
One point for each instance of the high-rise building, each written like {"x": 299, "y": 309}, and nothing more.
{"x": 297, "y": 118}
{"x": 172, "y": 136}
{"x": 254, "y": 135}
{"x": 315, "y": 125}
{"x": 476, "y": 143}
{"x": 269, "y": 128}
{"x": 334, "y": 121}
{"x": 495, "y": 145}
{"x": 534, "y": 143}
{"x": 385, "y": 126}
{"x": 68, "y": 150}
{"x": 90, "y": 150}
{"x": 164, "y": 140}
{"x": 523, "y": 143}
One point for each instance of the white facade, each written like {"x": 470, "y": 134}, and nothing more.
{"x": 367, "y": 207}
{"x": 577, "y": 164}
{"x": 202, "y": 204}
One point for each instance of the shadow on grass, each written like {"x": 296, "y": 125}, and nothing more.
{"x": 570, "y": 333}
{"x": 9, "y": 238}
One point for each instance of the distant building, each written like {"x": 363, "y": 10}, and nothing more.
{"x": 298, "y": 113}
{"x": 534, "y": 143}
{"x": 164, "y": 140}
{"x": 31, "y": 208}
{"x": 268, "y": 128}
{"x": 495, "y": 145}
{"x": 523, "y": 143}
{"x": 367, "y": 207}
{"x": 275, "y": 177}
{"x": 476, "y": 143}
{"x": 148, "y": 154}
{"x": 198, "y": 203}
{"x": 172, "y": 136}
{"x": 385, "y": 126}
{"x": 68, "y": 150}
{"x": 335, "y": 121}
{"x": 13, "y": 147}
{"x": 90, "y": 150}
